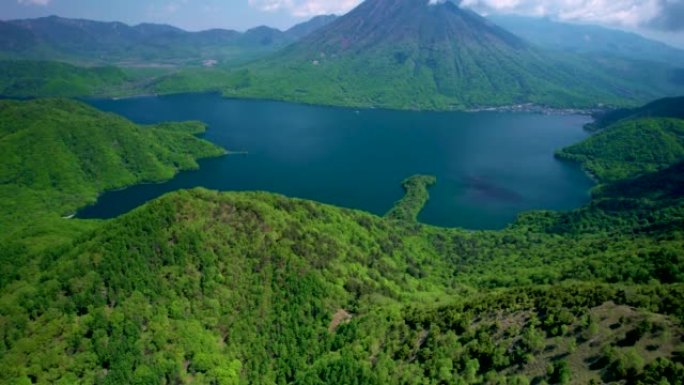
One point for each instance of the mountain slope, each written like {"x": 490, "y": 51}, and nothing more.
{"x": 589, "y": 39}
{"x": 302, "y": 30}
{"x": 414, "y": 54}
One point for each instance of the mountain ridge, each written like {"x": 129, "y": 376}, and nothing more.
{"x": 589, "y": 39}
{"x": 55, "y": 37}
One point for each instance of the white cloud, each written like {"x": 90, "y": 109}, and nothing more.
{"x": 305, "y": 8}
{"x": 34, "y": 2}
{"x": 624, "y": 13}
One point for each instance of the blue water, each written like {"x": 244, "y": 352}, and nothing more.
{"x": 490, "y": 166}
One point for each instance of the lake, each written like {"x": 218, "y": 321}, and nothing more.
{"x": 490, "y": 166}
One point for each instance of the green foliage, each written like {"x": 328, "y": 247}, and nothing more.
{"x": 236, "y": 288}
{"x": 415, "y": 197}
{"x": 376, "y": 80}
{"x": 630, "y": 148}
{"x": 59, "y": 155}
{"x": 43, "y": 78}
{"x": 199, "y": 80}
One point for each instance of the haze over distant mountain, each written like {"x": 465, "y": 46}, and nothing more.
{"x": 588, "y": 39}
{"x": 75, "y": 40}
{"x": 420, "y": 54}
{"x": 303, "y": 29}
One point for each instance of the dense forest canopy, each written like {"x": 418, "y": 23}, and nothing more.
{"x": 227, "y": 288}
{"x": 232, "y": 288}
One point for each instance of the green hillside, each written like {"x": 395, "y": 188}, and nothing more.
{"x": 59, "y": 155}
{"x": 23, "y": 78}
{"x": 41, "y": 79}
{"x": 630, "y": 148}
{"x": 661, "y": 108}
{"x": 204, "y": 287}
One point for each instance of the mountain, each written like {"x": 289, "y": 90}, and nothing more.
{"x": 86, "y": 41}
{"x": 15, "y": 39}
{"x": 262, "y": 36}
{"x": 416, "y": 54}
{"x": 662, "y": 108}
{"x": 593, "y": 39}
{"x": 304, "y": 29}
{"x": 201, "y": 287}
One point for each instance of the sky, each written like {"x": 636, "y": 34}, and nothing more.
{"x": 658, "y": 19}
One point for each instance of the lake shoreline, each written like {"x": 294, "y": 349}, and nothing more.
{"x": 529, "y": 108}
{"x": 539, "y": 109}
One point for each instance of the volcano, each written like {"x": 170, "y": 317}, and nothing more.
{"x": 427, "y": 54}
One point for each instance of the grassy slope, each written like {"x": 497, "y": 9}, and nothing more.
{"x": 227, "y": 288}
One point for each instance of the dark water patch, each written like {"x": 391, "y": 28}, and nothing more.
{"x": 482, "y": 189}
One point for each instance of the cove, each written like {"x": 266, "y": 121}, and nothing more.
{"x": 490, "y": 166}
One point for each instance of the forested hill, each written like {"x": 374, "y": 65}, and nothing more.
{"x": 204, "y": 287}
{"x": 58, "y": 155}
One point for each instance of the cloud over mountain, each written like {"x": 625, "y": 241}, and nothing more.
{"x": 654, "y": 14}
{"x": 305, "y": 8}
{"x": 672, "y": 16}
{"x": 34, "y": 2}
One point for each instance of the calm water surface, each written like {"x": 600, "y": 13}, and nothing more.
{"x": 490, "y": 166}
